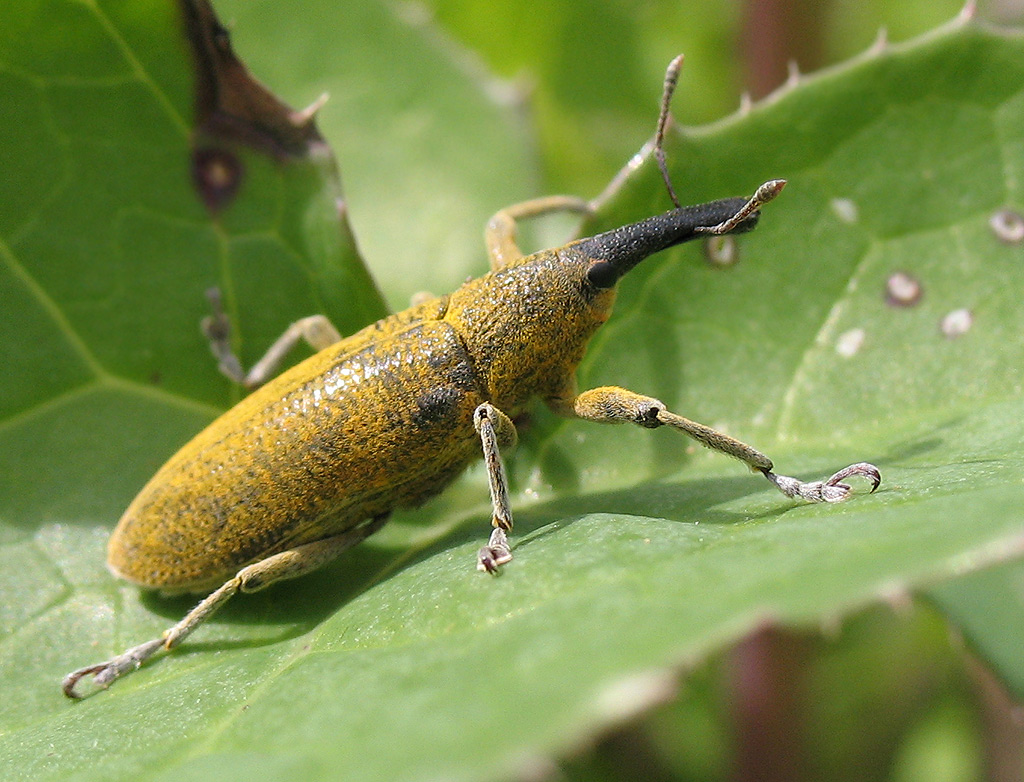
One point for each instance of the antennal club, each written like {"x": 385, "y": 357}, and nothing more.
{"x": 762, "y": 196}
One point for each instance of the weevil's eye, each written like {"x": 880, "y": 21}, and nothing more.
{"x": 602, "y": 274}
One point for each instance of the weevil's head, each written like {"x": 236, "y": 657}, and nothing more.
{"x": 527, "y": 325}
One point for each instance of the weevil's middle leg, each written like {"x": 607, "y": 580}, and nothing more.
{"x": 287, "y": 564}
{"x": 500, "y": 233}
{"x": 610, "y": 404}
{"x": 496, "y": 430}
{"x": 316, "y": 330}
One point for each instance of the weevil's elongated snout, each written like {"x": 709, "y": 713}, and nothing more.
{"x": 619, "y": 250}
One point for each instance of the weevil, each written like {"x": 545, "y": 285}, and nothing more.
{"x": 314, "y": 461}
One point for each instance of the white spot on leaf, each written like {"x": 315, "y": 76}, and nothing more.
{"x": 850, "y": 342}
{"x": 846, "y": 210}
{"x": 903, "y": 290}
{"x": 1008, "y": 226}
{"x": 957, "y": 323}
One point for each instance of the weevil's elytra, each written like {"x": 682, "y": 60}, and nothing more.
{"x": 288, "y": 453}
{"x": 438, "y": 406}
{"x": 314, "y": 461}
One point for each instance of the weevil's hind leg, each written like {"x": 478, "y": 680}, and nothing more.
{"x": 316, "y": 330}
{"x": 496, "y": 431}
{"x": 610, "y": 404}
{"x": 287, "y": 564}
{"x": 500, "y": 233}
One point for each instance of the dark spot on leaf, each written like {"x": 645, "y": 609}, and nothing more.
{"x": 232, "y": 108}
{"x": 216, "y": 174}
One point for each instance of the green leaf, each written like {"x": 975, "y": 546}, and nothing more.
{"x": 426, "y": 154}
{"x": 636, "y": 553}
{"x": 988, "y": 607}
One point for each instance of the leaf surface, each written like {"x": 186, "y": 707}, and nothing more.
{"x": 636, "y": 553}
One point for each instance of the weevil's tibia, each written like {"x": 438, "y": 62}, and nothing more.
{"x": 316, "y": 330}
{"x": 610, "y": 404}
{"x": 496, "y": 430}
{"x": 278, "y": 567}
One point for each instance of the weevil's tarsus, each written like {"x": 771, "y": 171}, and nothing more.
{"x": 500, "y": 232}
{"x": 316, "y": 330}
{"x": 105, "y": 673}
{"x": 664, "y": 115}
{"x": 496, "y": 553}
{"x": 496, "y": 431}
{"x": 831, "y": 489}
{"x": 762, "y": 196}
{"x": 278, "y": 567}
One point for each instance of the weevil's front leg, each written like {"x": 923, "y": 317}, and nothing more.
{"x": 496, "y": 431}
{"x": 500, "y": 233}
{"x": 610, "y": 404}
{"x": 252, "y": 578}
{"x": 316, "y": 330}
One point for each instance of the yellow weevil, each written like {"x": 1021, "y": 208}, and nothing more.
{"x": 314, "y": 461}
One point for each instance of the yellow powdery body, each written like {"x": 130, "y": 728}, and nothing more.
{"x": 381, "y": 420}
{"x": 527, "y": 326}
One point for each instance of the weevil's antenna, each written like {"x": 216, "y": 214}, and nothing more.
{"x": 762, "y": 196}
{"x": 671, "y": 79}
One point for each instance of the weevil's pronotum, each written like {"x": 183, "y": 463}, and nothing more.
{"x": 314, "y": 461}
